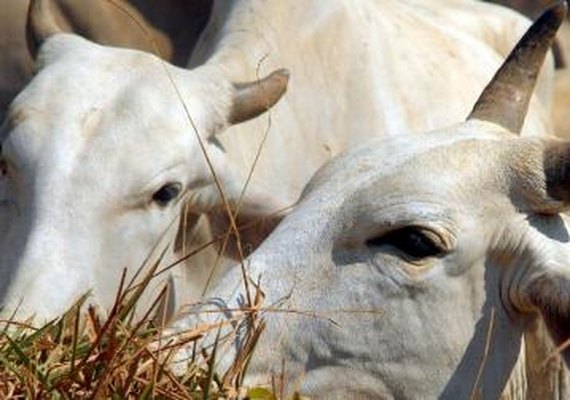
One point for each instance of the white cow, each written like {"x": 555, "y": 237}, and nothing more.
{"x": 416, "y": 267}
{"x": 100, "y": 156}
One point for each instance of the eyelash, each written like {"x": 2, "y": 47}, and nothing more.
{"x": 410, "y": 241}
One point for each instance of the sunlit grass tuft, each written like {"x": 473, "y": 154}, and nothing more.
{"x": 82, "y": 355}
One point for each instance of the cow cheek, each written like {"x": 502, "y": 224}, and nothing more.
{"x": 134, "y": 240}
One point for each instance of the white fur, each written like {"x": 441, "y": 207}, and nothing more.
{"x": 352, "y": 319}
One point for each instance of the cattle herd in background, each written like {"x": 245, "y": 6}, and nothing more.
{"x": 405, "y": 213}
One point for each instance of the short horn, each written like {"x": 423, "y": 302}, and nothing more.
{"x": 253, "y": 98}
{"x": 505, "y": 99}
{"x": 40, "y": 25}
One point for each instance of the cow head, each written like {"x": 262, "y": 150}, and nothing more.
{"x": 414, "y": 266}
{"x": 99, "y": 153}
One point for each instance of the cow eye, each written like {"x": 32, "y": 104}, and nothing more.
{"x": 413, "y": 242}
{"x": 167, "y": 193}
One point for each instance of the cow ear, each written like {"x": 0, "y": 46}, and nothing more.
{"x": 504, "y": 101}
{"x": 253, "y": 230}
{"x": 254, "y": 98}
{"x": 549, "y": 173}
{"x": 255, "y": 216}
{"x": 556, "y": 166}
{"x": 40, "y": 25}
{"x": 542, "y": 176}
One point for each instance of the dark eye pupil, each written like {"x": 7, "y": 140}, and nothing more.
{"x": 410, "y": 241}
{"x": 166, "y": 194}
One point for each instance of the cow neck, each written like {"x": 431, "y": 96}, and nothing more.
{"x": 242, "y": 39}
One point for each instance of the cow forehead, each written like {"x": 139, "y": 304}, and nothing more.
{"x": 76, "y": 76}
{"x": 114, "y": 166}
{"x": 122, "y": 134}
{"x": 122, "y": 102}
{"x": 410, "y": 180}
{"x": 407, "y": 158}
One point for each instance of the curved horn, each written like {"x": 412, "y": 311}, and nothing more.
{"x": 253, "y": 98}
{"x": 505, "y": 99}
{"x": 40, "y": 25}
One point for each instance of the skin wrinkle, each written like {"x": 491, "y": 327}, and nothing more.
{"x": 509, "y": 247}
{"x": 526, "y": 251}
{"x": 90, "y": 121}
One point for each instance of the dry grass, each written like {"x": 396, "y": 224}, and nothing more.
{"x": 82, "y": 356}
